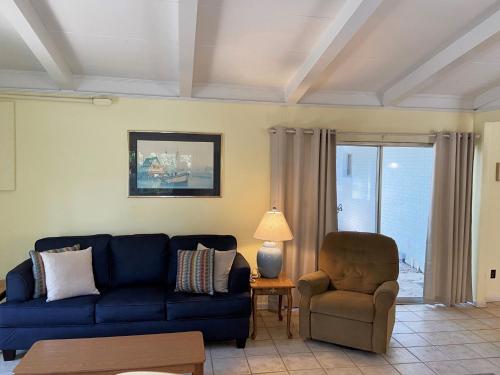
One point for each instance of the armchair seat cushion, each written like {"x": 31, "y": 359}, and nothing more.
{"x": 38, "y": 313}
{"x": 344, "y": 304}
{"x": 194, "y": 306}
{"x": 131, "y": 304}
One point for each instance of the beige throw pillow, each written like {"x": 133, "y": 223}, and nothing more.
{"x": 39, "y": 270}
{"x": 69, "y": 274}
{"x": 223, "y": 262}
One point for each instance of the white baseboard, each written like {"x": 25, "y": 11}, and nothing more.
{"x": 479, "y": 303}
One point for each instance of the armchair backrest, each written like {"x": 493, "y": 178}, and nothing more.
{"x": 357, "y": 261}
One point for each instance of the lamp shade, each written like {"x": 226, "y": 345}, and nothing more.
{"x": 273, "y": 227}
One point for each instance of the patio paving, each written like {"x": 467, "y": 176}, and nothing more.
{"x": 411, "y": 282}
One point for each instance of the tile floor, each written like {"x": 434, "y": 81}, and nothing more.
{"x": 427, "y": 340}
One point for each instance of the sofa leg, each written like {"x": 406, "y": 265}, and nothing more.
{"x": 9, "y": 355}
{"x": 241, "y": 343}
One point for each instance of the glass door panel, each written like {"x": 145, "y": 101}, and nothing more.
{"x": 387, "y": 189}
{"x": 406, "y": 185}
{"x": 357, "y": 188}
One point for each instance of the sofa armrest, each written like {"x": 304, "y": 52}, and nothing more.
{"x": 385, "y": 295}
{"x": 239, "y": 276}
{"x": 313, "y": 283}
{"x": 20, "y": 282}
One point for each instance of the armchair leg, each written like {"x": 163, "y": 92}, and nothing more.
{"x": 9, "y": 355}
{"x": 241, "y": 343}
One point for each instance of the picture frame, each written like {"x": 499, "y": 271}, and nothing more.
{"x": 174, "y": 164}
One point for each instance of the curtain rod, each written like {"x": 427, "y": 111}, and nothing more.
{"x": 96, "y": 100}
{"x": 293, "y": 131}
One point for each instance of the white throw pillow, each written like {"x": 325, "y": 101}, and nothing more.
{"x": 223, "y": 261}
{"x": 69, "y": 274}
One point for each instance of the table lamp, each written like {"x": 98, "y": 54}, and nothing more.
{"x": 272, "y": 228}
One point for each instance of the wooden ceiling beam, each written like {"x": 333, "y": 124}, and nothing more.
{"x": 188, "y": 15}
{"x": 487, "y": 97}
{"x": 472, "y": 38}
{"x": 351, "y": 17}
{"x": 27, "y": 23}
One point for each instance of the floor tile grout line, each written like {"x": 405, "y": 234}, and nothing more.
{"x": 492, "y": 341}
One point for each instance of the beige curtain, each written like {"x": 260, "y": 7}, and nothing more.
{"x": 448, "y": 277}
{"x": 303, "y": 187}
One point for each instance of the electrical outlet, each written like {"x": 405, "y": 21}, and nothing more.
{"x": 493, "y": 274}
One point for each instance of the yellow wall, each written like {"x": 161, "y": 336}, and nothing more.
{"x": 72, "y": 166}
{"x": 7, "y": 146}
{"x": 486, "y": 208}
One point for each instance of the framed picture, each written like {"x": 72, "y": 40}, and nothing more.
{"x": 167, "y": 164}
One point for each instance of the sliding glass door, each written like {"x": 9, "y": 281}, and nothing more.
{"x": 387, "y": 189}
{"x": 357, "y": 188}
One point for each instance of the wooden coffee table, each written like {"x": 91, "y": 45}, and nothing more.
{"x": 175, "y": 352}
{"x": 280, "y": 286}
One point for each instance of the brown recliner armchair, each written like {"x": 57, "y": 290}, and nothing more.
{"x": 351, "y": 300}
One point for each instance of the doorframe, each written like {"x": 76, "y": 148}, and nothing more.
{"x": 380, "y": 157}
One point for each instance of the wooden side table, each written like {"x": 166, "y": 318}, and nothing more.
{"x": 3, "y": 290}
{"x": 272, "y": 287}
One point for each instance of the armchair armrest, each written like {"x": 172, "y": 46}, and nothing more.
{"x": 239, "y": 276}
{"x": 20, "y": 282}
{"x": 385, "y": 295}
{"x": 313, "y": 283}
{"x": 310, "y": 285}
{"x": 384, "y": 300}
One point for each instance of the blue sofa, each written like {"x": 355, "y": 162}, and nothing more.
{"x": 136, "y": 277}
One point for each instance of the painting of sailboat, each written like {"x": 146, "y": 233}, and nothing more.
{"x": 174, "y": 164}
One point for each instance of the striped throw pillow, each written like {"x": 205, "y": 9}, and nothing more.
{"x": 195, "y": 271}
{"x": 39, "y": 269}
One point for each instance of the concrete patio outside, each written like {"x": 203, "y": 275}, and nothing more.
{"x": 411, "y": 281}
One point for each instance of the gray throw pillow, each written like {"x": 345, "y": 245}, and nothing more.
{"x": 223, "y": 261}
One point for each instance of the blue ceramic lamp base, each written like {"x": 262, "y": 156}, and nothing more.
{"x": 269, "y": 260}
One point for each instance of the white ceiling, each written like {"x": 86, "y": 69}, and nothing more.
{"x": 402, "y": 53}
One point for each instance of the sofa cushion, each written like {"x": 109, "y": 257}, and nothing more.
{"x": 344, "y": 304}
{"x": 139, "y": 259}
{"x": 131, "y": 304}
{"x": 189, "y": 306}
{"x": 217, "y": 242}
{"x": 38, "y": 313}
{"x": 99, "y": 244}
